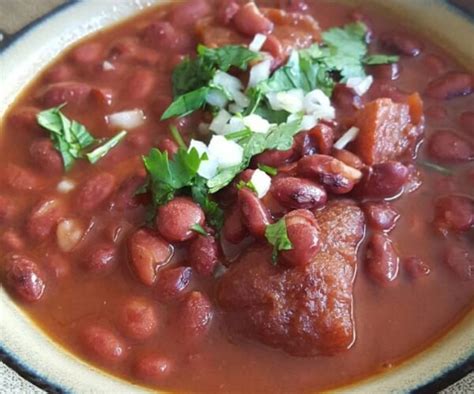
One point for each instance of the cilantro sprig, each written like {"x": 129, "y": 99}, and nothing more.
{"x": 71, "y": 139}
{"x": 277, "y": 235}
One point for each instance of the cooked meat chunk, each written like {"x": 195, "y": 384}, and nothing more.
{"x": 305, "y": 310}
{"x": 386, "y": 131}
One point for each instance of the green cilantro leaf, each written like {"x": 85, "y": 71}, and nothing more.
{"x": 190, "y": 75}
{"x": 99, "y": 152}
{"x": 197, "y": 228}
{"x": 281, "y": 137}
{"x": 187, "y": 103}
{"x": 272, "y": 171}
{"x": 277, "y": 235}
{"x": 227, "y": 56}
{"x": 249, "y": 185}
{"x": 380, "y": 59}
{"x": 200, "y": 194}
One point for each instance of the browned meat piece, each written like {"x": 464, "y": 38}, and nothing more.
{"x": 386, "y": 131}
{"x": 304, "y": 310}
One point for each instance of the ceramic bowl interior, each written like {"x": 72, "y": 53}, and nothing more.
{"x": 36, "y": 355}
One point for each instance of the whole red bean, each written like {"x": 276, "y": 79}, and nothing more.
{"x": 95, "y": 191}
{"x": 203, "y": 254}
{"x": 59, "y": 266}
{"x": 447, "y": 146}
{"x": 153, "y": 368}
{"x": 401, "y": 43}
{"x": 43, "y": 219}
{"x": 435, "y": 64}
{"x": 162, "y": 35}
{"x": 24, "y": 278}
{"x": 345, "y": 98}
{"x": 147, "y": 254}
{"x": 416, "y": 267}
{"x": 226, "y": 11}
{"x": 274, "y": 157}
{"x": 175, "y": 220}
{"x": 126, "y": 197}
{"x": 100, "y": 259}
{"x": 450, "y": 85}
{"x": 7, "y": 209}
{"x": 21, "y": 179}
{"x": 336, "y": 176}
{"x": 103, "y": 344}
{"x": 436, "y": 112}
{"x": 390, "y": 72}
{"x": 461, "y": 260}
{"x": 274, "y": 47}
{"x": 11, "y": 241}
{"x": 297, "y": 5}
{"x": 466, "y": 120}
{"x": 255, "y": 215}
{"x": 296, "y": 193}
{"x": 141, "y": 84}
{"x": 454, "y": 213}
{"x": 249, "y": 21}
{"x": 88, "y": 53}
{"x": 138, "y": 319}
{"x": 172, "y": 282}
{"x": 319, "y": 139}
{"x": 384, "y": 180}
{"x": 303, "y": 233}
{"x": 234, "y": 230}
{"x": 186, "y": 13}
{"x": 382, "y": 261}
{"x": 348, "y": 158}
{"x": 65, "y": 92}
{"x": 60, "y": 73}
{"x": 194, "y": 317}
{"x": 45, "y": 157}
{"x": 381, "y": 216}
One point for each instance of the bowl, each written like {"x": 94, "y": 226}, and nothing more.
{"x": 29, "y": 351}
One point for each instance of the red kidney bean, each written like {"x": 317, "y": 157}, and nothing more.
{"x": 153, "y": 368}
{"x": 250, "y": 21}
{"x": 297, "y": 5}
{"x": 168, "y": 145}
{"x": 466, "y": 120}
{"x": 101, "y": 259}
{"x": 319, "y": 139}
{"x": 138, "y": 319}
{"x": 43, "y": 219}
{"x": 234, "y": 230}
{"x": 162, "y": 35}
{"x": 187, "y": 13}
{"x": 226, "y": 11}
{"x": 24, "y": 278}
{"x": 255, "y": 215}
{"x": 450, "y": 85}
{"x": 447, "y": 146}
{"x": 336, "y": 176}
{"x": 382, "y": 261}
{"x": 21, "y": 179}
{"x": 102, "y": 96}
{"x": 95, "y": 191}
{"x": 103, "y": 344}
{"x": 416, "y": 267}
{"x": 203, "y": 254}
{"x": 141, "y": 84}
{"x": 390, "y": 72}
{"x": 401, "y": 43}
{"x": 58, "y": 266}
{"x": 296, "y": 193}
{"x": 436, "y": 112}
{"x": 126, "y": 197}
{"x": 46, "y": 157}
{"x": 434, "y": 63}
{"x": 11, "y": 241}
{"x": 414, "y": 180}
{"x": 384, "y": 180}
{"x": 172, "y": 283}
{"x": 348, "y": 158}
{"x": 303, "y": 232}
{"x": 175, "y": 220}
{"x": 7, "y": 209}
{"x": 460, "y": 260}
{"x": 147, "y": 254}
{"x": 454, "y": 213}
{"x": 194, "y": 316}
{"x": 345, "y": 98}
{"x": 274, "y": 47}
{"x": 381, "y": 216}
{"x": 273, "y": 157}
{"x": 60, "y": 73}
{"x": 88, "y": 53}
{"x": 65, "y": 92}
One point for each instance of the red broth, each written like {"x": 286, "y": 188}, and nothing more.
{"x": 90, "y": 298}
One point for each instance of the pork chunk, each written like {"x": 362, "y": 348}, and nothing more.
{"x": 386, "y": 131}
{"x": 303, "y": 310}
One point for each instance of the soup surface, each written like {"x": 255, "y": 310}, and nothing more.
{"x": 346, "y": 243}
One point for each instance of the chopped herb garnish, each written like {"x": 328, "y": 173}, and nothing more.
{"x": 277, "y": 235}
{"x": 199, "y": 229}
{"x": 249, "y": 185}
{"x": 238, "y": 135}
{"x": 380, "y": 59}
{"x": 435, "y": 167}
{"x": 272, "y": 171}
{"x": 177, "y": 137}
{"x": 71, "y": 139}
{"x": 227, "y": 56}
{"x": 187, "y": 103}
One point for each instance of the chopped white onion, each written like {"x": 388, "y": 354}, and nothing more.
{"x": 200, "y": 146}
{"x": 308, "y": 122}
{"x": 235, "y": 124}
{"x": 261, "y": 182}
{"x": 257, "y": 42}
{"x": 207, "y": 168}
{"x": 217, "y": 98}
{"x": 360, "y": 85}
{"x": 260, "y": 72}
{"x": 240, "y": 99}
{"x": 69, "y": 233}
{"x": 126, "y": 119}
{"x": 65, "y": 186}
{"x": 227, "y": 153}
{"x": 327, "y": 113}
{"x": 256, "y": 123}
{"x": 349, "y": 136}
{"x": 314, "y": 100}
{"x": 107, "y": 66}
{"x": 219, "y": 122}
{"x": 227, "y": 81}
{"x": 290, "y": 101}
{"x": 235, "y": 109}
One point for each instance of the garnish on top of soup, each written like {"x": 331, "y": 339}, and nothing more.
{"x": 214, "y": 190}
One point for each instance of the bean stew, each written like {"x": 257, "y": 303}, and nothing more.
{"x": 234, "y": 196}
